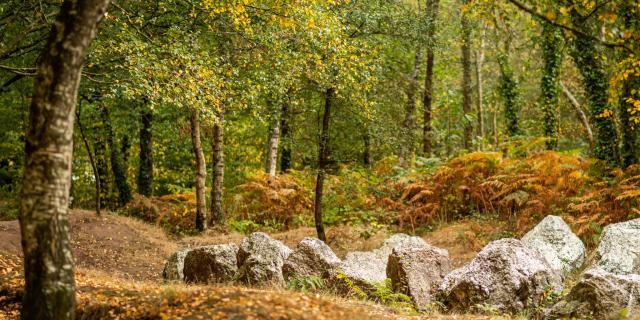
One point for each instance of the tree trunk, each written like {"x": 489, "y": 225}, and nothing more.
{"x": 366, "y": 154}
{"x": 466, "y": 79}
{"x": 628, "y": 152}
{"x": 201, "y": 171}
{"x": 408, "y": 123}
{"x": 323, "y": 152}
{"x": 117, "y": 168}
{"x": 549, "y": 84}
{"x": 145, "y": 167}
{"x": 581, "y": 115}
{"x": 92, "y": 161}
{"x": 272, "y": 152}
{"x": 44, "y": 206}
{"x": 285, "y": 157}
{"x": 594, "y": 77}
{"x": 102, "y": 165}
{"x": 432, "y": 14}
{"x": 480, "y": 101}
{"x": 494, "y": 122}
{"x": 217, "y": 211}
{"x": 125, "y": 148}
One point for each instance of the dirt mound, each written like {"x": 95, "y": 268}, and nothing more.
{"x": 124, "y": 246}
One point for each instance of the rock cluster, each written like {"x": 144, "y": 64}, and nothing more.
{"x": 507, "y": 275}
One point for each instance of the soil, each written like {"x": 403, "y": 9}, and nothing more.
{"x": 120, "y": 260}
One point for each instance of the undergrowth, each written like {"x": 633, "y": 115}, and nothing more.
{"x": 520, "y": 191}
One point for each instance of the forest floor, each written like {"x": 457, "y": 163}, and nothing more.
{"x": 120, "y": 261}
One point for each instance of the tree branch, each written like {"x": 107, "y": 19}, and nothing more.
{"x": 575, "y": 31}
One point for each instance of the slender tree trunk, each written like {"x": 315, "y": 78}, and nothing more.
{"x": 145, "y": 167}
{"x": 102, "y": 165}
{"x": 92, "y": 161}
{"x": 494, "y": 123}
{"x": 581, "y": 115}
{"x": 125, "y": 148}
{"x": 480, "y": 101}
{"x": 285, "y": 157}
{"x": 366, "y": 154}
{"x": 217, "y": 211}
{"x": 549, "y": 84}
{"x": 44, "y": 205}
{"x": 427, "y": 96}
{"x": 201, "y": 171}
{"x": 323, "y": 152}
{"x": 272, "y": 152}
{"x": 408, "y": 123}
{"x": 117, "y": 168}
{"x": 466, "y": 79}
{"x": 628, "y": 153}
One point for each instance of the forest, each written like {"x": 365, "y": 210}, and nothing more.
{"x": 319, "y": 159}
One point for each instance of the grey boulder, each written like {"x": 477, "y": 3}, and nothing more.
{"x": 506, "y": 275}
{"x": 360, "y": 270}
{"x": 619, "y": 248}
{"x": 174, "y": 267}
{"x": 260, "y": 259}
{"x": 553, "y": 239}
{"x": 396, "y": 241}
{"x": 418, "y": 271}
{"x": 312, "y": 257}
{"x": 600, "y": 295}
{"x": 211, "y": 264}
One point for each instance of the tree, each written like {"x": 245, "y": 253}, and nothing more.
{"x": 145, "y": 166}
{"x": 323, "y": 153}
{"x": 427, "y": 96}
{"x": 48, "y": 262}
{"x": 406, "y": 146}
{"x": 217, "y": 216}
{"x": 549, "y": 84}
{"x": 586, "y": 56}
{"x": 201, "y": 171}
{"x": 466, "y": 76}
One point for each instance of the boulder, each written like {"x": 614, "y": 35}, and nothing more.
{"x": 312, "y": 257}
{"x": 359, "y": 271}
{"x": 506, "y": 275}
{"x": 619, "y": 248}
{"x": 418, "y": 271}
{"x": 174, "y": 267}
{"x": 600, "y": 295}
{"x": 553, "y": 240}
{"x": 211, "y": 264}
{"x": 395, "y": 241}
{"x": 260, "y": 259}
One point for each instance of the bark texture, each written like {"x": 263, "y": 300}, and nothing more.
{"x": 201, "y": 171}
{"x": 145, "y": 168}
{"x": 48, "y": 262}
{"x": 217, "y": 212}
{"x": 285, "y": 137}
{"x": 466, "y": 79}
{"x": 323, "y": 152}
{"x": 272, "y": 152}
{"x": 427, "y": 97}
{"x": 480, "y": 91}
{"x": 118, "y": 169}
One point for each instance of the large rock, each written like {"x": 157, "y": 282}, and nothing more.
{"x": 359, "y": 271}
{"x": 211, "y": 264}
{"x": 418, "y": 271}
{"x": 312, "y": 257}
{"x": 506, "y": 275}
{"x": 174, "y": 267}
{"x": 552, "y": 238}
{"x": 619, "y": 248}
{"x": 396, "y": 241}
{"x": 260, "y": 260}
{"x": 600, "y": 295}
